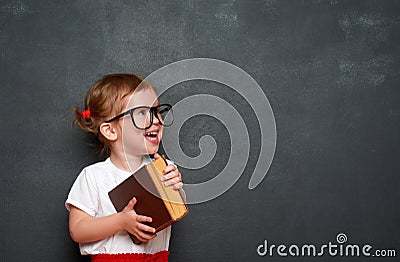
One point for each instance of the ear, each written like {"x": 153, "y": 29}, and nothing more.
{"x": 108, "y": 131}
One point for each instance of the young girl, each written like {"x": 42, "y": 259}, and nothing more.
{"x": 127, "y": 138}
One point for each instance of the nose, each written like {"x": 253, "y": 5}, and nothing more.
{"x": 155, "y": 118}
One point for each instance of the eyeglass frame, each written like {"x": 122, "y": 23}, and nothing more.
{"x": 152, "y": 113}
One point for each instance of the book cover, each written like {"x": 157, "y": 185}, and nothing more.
{"x": 164, "y": 205}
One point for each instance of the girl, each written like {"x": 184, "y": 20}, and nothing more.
{"x": 126, "y": 138}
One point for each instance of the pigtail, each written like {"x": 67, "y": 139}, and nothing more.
{"x": 85, "y": 121}
{"x": 79, "y": 120}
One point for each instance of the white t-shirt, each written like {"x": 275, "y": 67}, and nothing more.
{"x": 90, "y": 194}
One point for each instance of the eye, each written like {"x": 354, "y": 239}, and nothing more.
{"x": 142, "y": 112}
{"x": 163, "y": 110}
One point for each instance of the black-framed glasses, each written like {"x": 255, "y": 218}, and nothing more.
{"x": 143, "y": 116}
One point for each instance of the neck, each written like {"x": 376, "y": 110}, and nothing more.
{"x": 126, "y": 162}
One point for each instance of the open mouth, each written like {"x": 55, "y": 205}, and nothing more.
{"x": 151, "y": 136}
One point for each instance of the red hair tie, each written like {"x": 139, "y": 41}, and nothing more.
{"x": 85, "y": 114}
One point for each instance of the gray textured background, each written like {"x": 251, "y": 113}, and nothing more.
{"x": 329, "y": 68}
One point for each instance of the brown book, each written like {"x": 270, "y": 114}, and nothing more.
{"x": 164, "y": 205}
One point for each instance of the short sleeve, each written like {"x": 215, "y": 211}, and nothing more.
{"x": 84, "y": 194}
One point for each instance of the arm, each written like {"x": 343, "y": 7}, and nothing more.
{"x": 85, "y": 228}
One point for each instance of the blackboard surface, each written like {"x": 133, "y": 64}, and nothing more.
{"x": 329, "y": 68}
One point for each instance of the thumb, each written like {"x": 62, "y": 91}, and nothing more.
{"x": 156, "y": 155}
{"x": 131, "y": 204}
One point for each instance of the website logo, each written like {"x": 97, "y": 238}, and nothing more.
{"x": 340, "y": 248}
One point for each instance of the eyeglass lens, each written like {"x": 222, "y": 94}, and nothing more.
{"x": 143, "y": 117}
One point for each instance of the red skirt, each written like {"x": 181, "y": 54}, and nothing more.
{"x": 161, "y": 256}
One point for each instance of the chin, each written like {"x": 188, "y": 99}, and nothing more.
{"x": 152, "y": 149}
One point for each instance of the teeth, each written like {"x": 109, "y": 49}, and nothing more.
{"x": 151, "y": 134}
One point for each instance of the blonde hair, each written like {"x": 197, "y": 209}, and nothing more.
{"x": 105, "y": 100}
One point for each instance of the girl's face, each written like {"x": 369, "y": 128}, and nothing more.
{"x": 138, "y": 142}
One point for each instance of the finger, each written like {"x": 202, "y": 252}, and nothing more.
{"x": 143, "y": 219}
{"x": 131, "y": 204}
{"x": 172, "y": 181}
{"x": 156, "y": 155}
{"x": 169, "y": 168}
{"x": 140, "y": 237}
{"x": 146, "y": 228}
{"x": 170, "y": 175}
{"x": 177, "y": 186}
{"x": 144, "y": 236}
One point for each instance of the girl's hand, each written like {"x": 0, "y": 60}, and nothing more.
{"x": 134, "y": 223}
{"x": 172, "y": 176}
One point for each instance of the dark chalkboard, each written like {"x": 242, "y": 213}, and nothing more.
{"x": 330, "y": 71}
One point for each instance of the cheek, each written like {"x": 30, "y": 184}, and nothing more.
{"x": 134, "y": 144}
{"x": 130, "y": 134}
{"x": 129, "y": 129}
